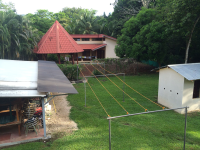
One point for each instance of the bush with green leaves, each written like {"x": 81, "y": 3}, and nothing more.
{"x": 96, "y": 72}
{"x": 69, "y": 70}
{"x": 54, "y": 57}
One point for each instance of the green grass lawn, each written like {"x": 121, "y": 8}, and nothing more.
{"x": 155, "y": 131}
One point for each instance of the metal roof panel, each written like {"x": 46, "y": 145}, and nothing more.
{"x": 190, "y": 71}
{"x": 52, "y": 79}
{"x": 18, "y": 71}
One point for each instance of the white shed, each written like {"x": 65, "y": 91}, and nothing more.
{"x": 179, "y": 86}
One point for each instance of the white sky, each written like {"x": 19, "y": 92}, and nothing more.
{"x": 31, "y": 6}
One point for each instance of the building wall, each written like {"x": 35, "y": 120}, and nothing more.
{"x": 170, "y": 90}
{"x": 110, "y": 48}
{"x": 90, "y": 42}
{"x": 188, "y": 100}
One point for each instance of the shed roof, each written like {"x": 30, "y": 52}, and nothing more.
{"x": 93, "y": 47}
{"x": 190, "y": 71}
{"x": 21, "y": 79}
{"x": 57, "y": 40}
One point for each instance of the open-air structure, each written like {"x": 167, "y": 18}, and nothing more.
{"x": 57, "y": 41}
{"x": 21, "y": 83}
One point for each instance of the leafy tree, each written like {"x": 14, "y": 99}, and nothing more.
{"x": 184, "y": 17}
{"x": 131, "y": 28}
{"x": 16, "y": 36}
{"x": 87, "y": 22}
{"x": 151, "y": 43}
{"x": 41, "y": 20}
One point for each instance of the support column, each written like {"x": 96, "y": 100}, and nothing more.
{"x": 72, "y": 58}
{"x": 77, "y": 73}
{"x": 43, "y": 116}
{"x": 85, "y": 91}
{"x": 185, "y": 127}
{"x": 109, "y": 134}
{"x": 58, "y": 58}
{"x": 96, "y": 54}
{"x": 77, "y": 58}
{"x": 123, "y": 87}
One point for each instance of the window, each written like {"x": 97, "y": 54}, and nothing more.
{"x": 86, "y": 53}
{"x": 196, "y": 89}
{"x": 85, "y": 39}
{"x": 97, "y": 39}
{"x": 77, "y": 39}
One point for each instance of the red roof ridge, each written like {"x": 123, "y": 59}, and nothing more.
{"x": 69, "y": 38}
{"x": 49, "y": 31}
{"x": 59, "y": 41}
{"x": 57, "y": 37}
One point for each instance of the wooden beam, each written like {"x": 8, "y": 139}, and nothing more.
{"x": 77, "y": 58}
{"x": 72, "y": 58}
{"x": 58, "y": 58}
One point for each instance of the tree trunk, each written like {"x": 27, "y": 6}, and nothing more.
{"x": 145, "y": 3}
{"x": 189, "y": 41}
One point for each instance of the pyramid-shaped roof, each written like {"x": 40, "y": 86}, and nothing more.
{"x": 57, "y": 40}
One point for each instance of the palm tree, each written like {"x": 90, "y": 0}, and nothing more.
{"x": 87, "y": 23}
{"x": 17, "y": 37}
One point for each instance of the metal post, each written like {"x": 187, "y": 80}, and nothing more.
{"x": 116, "y": 65}
{"x": 104, "y": 68}
{"x": 43, "y": 116}
{"x": 123, "y": 87}
{"x": 85, "y": 92}
{"x": 185, "y": 127}
{"x": 77, "y": 72}
{"x": 109, "y": 134}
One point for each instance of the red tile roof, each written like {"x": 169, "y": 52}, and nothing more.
{"x": 92, "y": 46}
{"x": 57, "y": 40}
{"x": 91, "y": 36}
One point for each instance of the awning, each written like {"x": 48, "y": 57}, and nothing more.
{"x": 92, "y": 47}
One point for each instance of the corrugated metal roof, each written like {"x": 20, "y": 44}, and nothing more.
{"x": 52, "y": 79}
{"x": 20, "y": 79}
{"x": 18, "y": 71}
{"x": 190, "y": 71}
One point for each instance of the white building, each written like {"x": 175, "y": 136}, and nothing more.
{"x": 95, "y": 46}
{"x": 179, "y": 86}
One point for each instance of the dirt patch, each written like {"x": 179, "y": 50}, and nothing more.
{"x": 58, "y": 122}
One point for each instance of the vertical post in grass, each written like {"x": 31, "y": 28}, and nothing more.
{"x": 85, "y": 91}
{"x": 123, "y": 87}
{"x": 185, "y": 127}
{"x": 109, "y": 134}
{"x": 104, "y": 68}
{"x": 77, "y": 72}
{"x": 116, "y": 65}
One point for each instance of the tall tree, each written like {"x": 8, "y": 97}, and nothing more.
{"x": 87, "y": 22}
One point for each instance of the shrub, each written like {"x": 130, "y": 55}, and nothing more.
{"x": 96, "y": 72}
{"x": 52, "y": 57}
{"x": 69, "y": 70}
